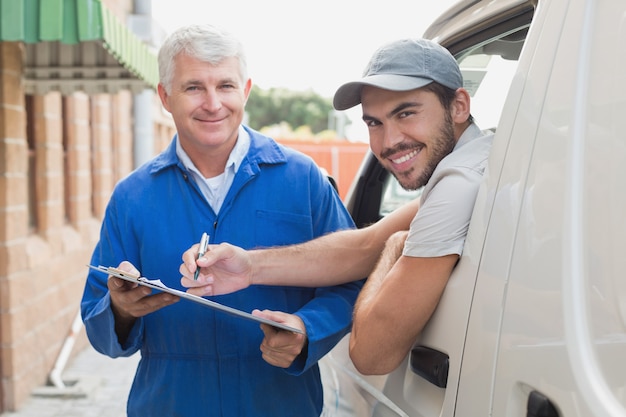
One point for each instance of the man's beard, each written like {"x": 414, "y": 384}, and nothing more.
{"x": 442, "y": 146}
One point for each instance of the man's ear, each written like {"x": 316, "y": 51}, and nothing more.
{"x": 163, "y": 96}
{"x": 461, "y": 106}
{"x": 247, "y": 88}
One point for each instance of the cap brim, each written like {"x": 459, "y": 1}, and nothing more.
{"x": 349, "y": 94}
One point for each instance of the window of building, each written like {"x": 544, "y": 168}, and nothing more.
{"x": 32, "y": 168}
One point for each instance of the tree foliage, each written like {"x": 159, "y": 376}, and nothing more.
{"x": 276, "y": 105}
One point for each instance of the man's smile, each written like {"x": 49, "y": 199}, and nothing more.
{"x": 406, "y": 157}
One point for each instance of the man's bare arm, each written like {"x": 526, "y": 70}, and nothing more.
{"x": 333, "y": 259}
{"x": 392, "y": 309}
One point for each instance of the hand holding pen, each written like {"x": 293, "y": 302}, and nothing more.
{"x": 227, "y": 269}
{"x": 204, "y": 246}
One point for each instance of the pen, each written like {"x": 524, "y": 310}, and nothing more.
{"x": 204, "y": 245}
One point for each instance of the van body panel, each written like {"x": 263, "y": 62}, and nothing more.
{"x": 507, "y": 179}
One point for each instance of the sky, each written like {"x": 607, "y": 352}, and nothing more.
{"x": 306, "y": 45}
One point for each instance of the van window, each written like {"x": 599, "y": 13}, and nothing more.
{"x": 394, "y": 196}
{"x": 487, "y": 78}
{"x": 488, "y": 71}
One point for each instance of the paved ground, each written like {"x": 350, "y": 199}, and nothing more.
{"x": 96, "y": 386}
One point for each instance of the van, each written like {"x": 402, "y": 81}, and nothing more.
{"x": 533, "y": 320}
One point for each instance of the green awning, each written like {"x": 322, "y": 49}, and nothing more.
{"x": 76, "y": 45}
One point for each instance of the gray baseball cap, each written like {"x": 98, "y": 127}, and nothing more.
{"x": 403, "y": 65}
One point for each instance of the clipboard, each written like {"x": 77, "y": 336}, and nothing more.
{"x": 159, "y": 286}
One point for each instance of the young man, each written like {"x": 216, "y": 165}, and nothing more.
{"x": 220, "y": 177}
{"x": 421, "y": 129}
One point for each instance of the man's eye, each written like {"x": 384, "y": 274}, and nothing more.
{"x": 372, "y": 123}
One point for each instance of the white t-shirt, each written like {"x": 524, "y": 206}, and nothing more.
{"x": 440, "y": 226}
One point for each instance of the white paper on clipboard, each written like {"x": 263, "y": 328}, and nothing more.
{"x": 159, "y": 286}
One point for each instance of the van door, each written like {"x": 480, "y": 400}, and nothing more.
{"x": 562, "y": 332}
{"x": 497, "y": 211}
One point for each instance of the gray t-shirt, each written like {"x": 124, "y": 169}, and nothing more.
{"x": 440, "y": 226}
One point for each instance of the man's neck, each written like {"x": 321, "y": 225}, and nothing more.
{"x": 459, "y": 129}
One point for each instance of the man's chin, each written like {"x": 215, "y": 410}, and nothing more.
{"x": 407, "y": 182}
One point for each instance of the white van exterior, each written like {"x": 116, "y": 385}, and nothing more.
{"x": 533, "y": 320}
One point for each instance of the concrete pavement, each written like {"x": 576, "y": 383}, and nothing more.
{"x": 96, "y": 386}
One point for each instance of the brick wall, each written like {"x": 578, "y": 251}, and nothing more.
{"x": 49, "y": 221}
{"x": 13, "y": 216}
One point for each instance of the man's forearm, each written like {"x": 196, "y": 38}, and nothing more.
{"x": 391, "y": 254}
{"x": 333, "y": 259}
{"x": 395, "y": 305}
